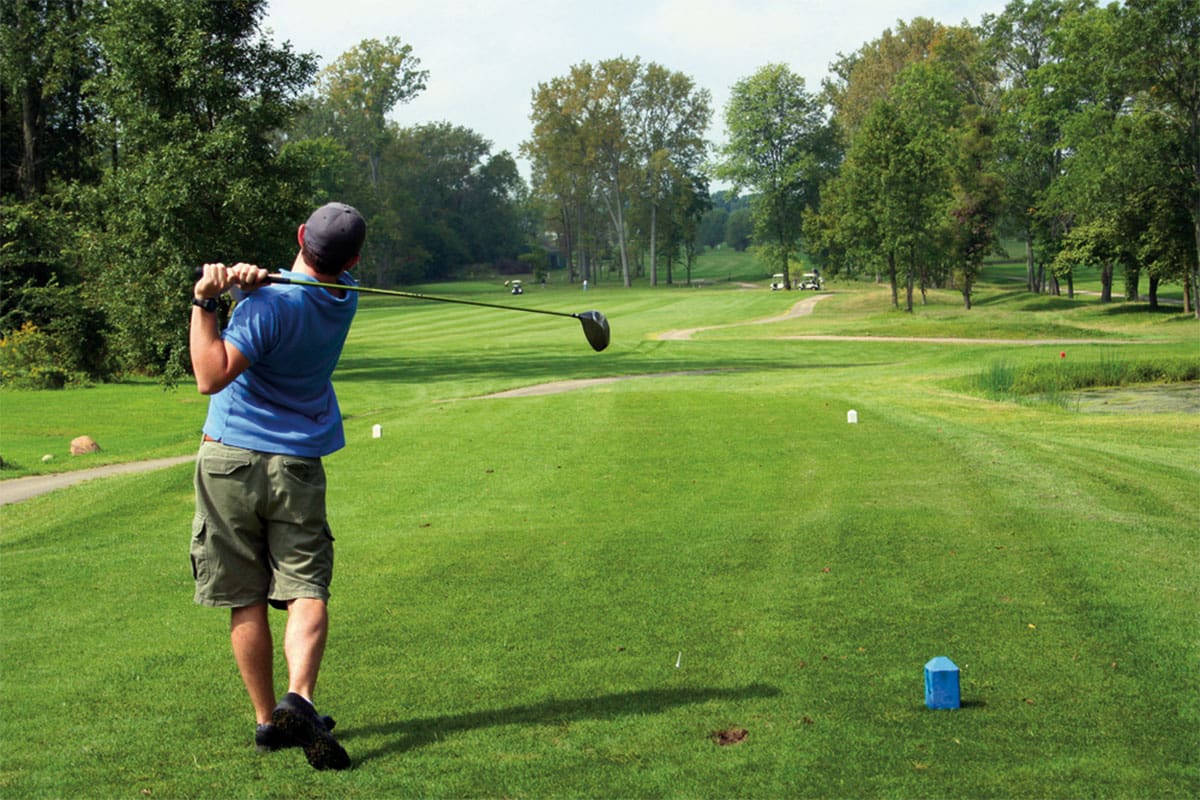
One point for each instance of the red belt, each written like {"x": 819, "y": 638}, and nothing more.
{"x": 208, "y": 438}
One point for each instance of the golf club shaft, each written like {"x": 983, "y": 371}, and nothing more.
{"x": 414, "y": 296}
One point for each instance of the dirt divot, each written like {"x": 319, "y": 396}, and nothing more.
{"x": 730, "y": 736}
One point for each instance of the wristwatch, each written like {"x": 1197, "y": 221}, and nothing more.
{"x": 207, "y": 303}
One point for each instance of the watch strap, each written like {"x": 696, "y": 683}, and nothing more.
{"x": 207, "y": 303}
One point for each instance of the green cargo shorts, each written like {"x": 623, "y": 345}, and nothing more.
{"x": 260, "y": 532}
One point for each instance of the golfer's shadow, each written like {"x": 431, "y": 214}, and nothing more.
{"x": 413, "y": 733}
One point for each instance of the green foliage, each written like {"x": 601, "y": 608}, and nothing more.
{"x": 739, "y": 229}
{"x": 781, "y": 146}
{"x": 711, "y": 231}
{"x": 42, "y": 304}
{"x": 27, "y": 356}
{"x": 618, "y": 145}
{"x": 195, "y": 95}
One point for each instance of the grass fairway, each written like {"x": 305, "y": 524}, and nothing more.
{"x": 571, "y": 594}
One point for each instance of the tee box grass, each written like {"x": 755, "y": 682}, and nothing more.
{"x": 575, "y": 594}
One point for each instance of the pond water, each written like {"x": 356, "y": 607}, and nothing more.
{"x": 1157, "y": 399}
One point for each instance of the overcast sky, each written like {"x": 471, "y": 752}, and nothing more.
{"x": 485, "y": 57}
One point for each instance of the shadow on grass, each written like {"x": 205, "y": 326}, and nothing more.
{"x": 1000, "y": 297}
{"x": 410, "y": 734}
{"x": 1165, "y": 308}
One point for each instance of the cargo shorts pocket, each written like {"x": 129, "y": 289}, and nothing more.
{"x": 199, "y": 550}
{"x": 224, "y": 463}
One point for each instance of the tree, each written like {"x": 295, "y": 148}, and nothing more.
{"x": 352, "y": 99}
{"x": 563, "y": 174}
{"x": 670, "y": 117}
{"x": 47, "y": 58}
{"x": 779, "y": 145}
{"x": 191, "y": 95}
{"x": 711, "y": 230}
{"x": 615, "y": 135}
{"x": 739, "y": 229}
{"x": 976, "y": 204}
{"x": 1032, "y": 112}
{"x": 1163, "y": 59}
{"x": 464, "y": 200}
{"x": 357, "y": 91}
{"x": 914, "y": 196}
{"x": 859, "y": 80}
{"x": 47, "y": 53}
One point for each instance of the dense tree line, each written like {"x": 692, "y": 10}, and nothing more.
{"x": 1072, "y": 126}
{"x": 144, "y": 137}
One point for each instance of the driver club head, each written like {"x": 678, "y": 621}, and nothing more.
{"x": 595, "y": 328}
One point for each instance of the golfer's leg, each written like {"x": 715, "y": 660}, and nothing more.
{"x": 304, "y": 643}
{"x": 250, "y": 634}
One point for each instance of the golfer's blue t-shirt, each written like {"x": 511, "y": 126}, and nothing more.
{"x": 284, "y": 402}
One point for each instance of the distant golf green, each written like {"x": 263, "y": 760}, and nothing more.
{"x": 697, "y": 579}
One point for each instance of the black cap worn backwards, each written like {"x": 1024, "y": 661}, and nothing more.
{"x": 334, "y": 234}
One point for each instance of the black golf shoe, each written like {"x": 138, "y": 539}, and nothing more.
{"x": 268, "y": 738}
{"x": 296, "y": 720}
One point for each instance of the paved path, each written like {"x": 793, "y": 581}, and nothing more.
{"x": 18, "y": 489}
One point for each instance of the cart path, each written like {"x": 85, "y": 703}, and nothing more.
{"x": 800, "y": 309}
{"x": 17, "y": 489}
{"x": 558, "y": 387}
{"x": 805, "y": 307}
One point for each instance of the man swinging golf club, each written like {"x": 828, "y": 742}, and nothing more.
{"x": 260, "y": 535}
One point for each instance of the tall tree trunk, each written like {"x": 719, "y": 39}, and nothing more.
{"x": 1106, "y": 276}
{"x": 616, "y": 213}
{"x": 30, "y": 127}
{"x": 653, "y": 244}
{"x": 892, "y": 273}
{"x": 1029, "y": 280}
{"x": 1153, "y": 291}
{"x": 909, "y": 291}
{"x": 567, "y": 247}
{"x": 1132, "y": 279}
{"x": 1195, "y": 271}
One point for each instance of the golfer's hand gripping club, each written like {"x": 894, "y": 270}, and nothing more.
{"x": 216, "y": 279}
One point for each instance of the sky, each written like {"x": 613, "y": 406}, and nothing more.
{"x": 486, "y": 57}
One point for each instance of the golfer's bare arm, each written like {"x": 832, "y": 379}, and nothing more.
{"x": 215, "y": 362}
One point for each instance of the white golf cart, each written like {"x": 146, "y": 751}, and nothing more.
{"x": 812, "y": 280}
{"x": 777, "y": 282}
{"x": 516, "y": 288}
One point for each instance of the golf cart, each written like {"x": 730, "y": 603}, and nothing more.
{"x": 777, "y": 282}
{"x": 812, "y": 280}
{"x": 516, "y": 288}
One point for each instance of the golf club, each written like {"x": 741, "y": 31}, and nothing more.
{"x": 595, "y": 325}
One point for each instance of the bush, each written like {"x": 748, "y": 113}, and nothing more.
{"x": 28, "y": 359}
{"x": 57, "y": 325}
